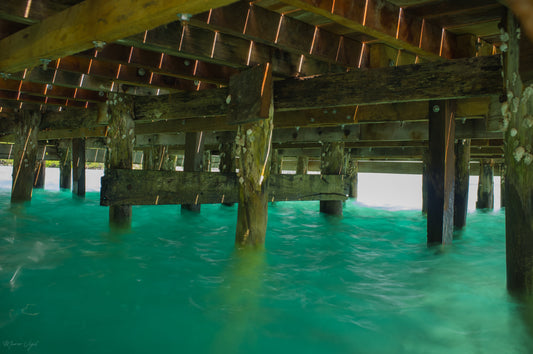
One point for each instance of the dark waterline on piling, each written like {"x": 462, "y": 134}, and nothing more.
{"x": 365, "y": 283}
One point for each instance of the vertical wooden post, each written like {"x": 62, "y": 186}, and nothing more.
{"x": 302, "y": 166}
{"x": 441, "y": 172}
{"x": 462, "y": 177}
{"x": 194, "y": 154}
{"x": 502, "y": 186}
{"x": 24, "y": 155}
{"x": 40, "y": 167}
{"x": 78, "y": 167}
{"x": 169, "y": 162}
{"x": 485, "y": 188}
{"x": 518, "y": 139}
{"x": 206, "y": 163}
{"x": 120, "y": 139}
{"x": 332, "y": 163}
{"x": 276, "y": 162}
{"x": 352, "y": 167}
{"x": 251, "y": 95}
{"x": 64, "y": 151}
{"x": 227, "y": 156}
{"x": 425, "y": 181}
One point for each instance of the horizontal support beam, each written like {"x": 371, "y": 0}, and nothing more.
{"x": 138, "y": 187}
{"x": 74, "y": 29}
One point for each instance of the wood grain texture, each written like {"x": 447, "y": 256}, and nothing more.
{"x": 453, "y": 79}
{"x": 138, "y": 187}
{"x": 74, "y": 29}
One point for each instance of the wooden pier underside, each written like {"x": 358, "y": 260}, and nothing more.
{"x": 266, "y": 80}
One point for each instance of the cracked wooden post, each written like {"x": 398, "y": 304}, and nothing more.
{"x": 64, "y": 151}
{"x": 441, "y": 172}
{"x": 40, "y": 167}
{"x": 24, "y": 155}
{"x": 332, "y": 163}
{"x": 485, "y": 187}
{"x": 462, "y": 177}
{"x": 78, "y": 167}
{"x": 302, "y": 166}
{"x": 518, "y": 138}
{"x": 194, "y": 154}
{"x": 352, "y": 168}
{"x": 251, "y": 106}
{"x": 120, "y": 139}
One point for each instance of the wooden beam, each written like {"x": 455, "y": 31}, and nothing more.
{"x": 441, "y": 173}
{"x": 78, "y": 26}
{"x": 460, "y": 78}
{"x": 381, "y": 20}
{"x": 138, "y": 187}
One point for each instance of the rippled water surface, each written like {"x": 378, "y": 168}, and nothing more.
{"x": 365, "y": 283}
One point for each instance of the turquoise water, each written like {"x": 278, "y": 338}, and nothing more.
{"x": 174, "y": 283}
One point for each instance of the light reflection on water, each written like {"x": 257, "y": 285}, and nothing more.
{"x": 365, "y": 283}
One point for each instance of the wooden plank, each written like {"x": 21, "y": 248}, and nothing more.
{"x": 441, "y": 173}
{"x": 78, "y": 26}
{"x": 382, "y": 19}
{"x": 138, "y": 187}
{"x": 453, "y": 79}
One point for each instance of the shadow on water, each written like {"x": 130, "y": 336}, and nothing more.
{"x": 240, "y": 300}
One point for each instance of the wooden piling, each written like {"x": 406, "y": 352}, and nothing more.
{"x": 251, "y": 107}
{"x": 352, "y": 168}
{"x": 332, "y": 163}
{"x": 194, "y": 154}
{"x": 518, "y": 138}
{"x": 302, "y": 166}
{"x": 24, "y": 155}
{"x": 78, "y": 167}
{"x": 502, "y": 186}
{"x": 425, "y": 181}
{"x": 120, "y": 139}
{"x": 64, "y": 151}
{"x": 485, "y": 188}
{"x": 40, "y": 168}
{"x": 227, "y": 157}
{"x": 276, "y": 162}
{"x": 441, "y": 173}
{"x": 462, "y": 177}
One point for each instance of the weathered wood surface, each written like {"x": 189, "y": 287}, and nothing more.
{"x": 74, "y": 29}
{"x": 462, "y": 178}
{"x": 485, "y": 188}
{"x": 461, "y": 78}
{"x": 250, "y": 95}
{"x": 441, "y": 173}
{"x": 64, "y": 152}
{"x": 24, "y": 156}
{"x": 120, "y": 139}
{"x": 352, "y": 167}
{"x": 332, "y": 163}
{"x": 78, "y": 167}
{"x": 302, "y": 166}
{"x": 193, "y": 161}
{"x": 518, "y": 113}
{"x": 138, "y": 187}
